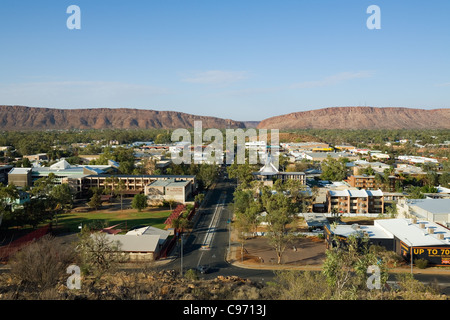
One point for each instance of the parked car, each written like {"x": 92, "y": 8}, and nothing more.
{"x": 203, "y": 269}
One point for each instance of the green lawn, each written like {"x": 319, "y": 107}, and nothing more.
{"x": 127, "y": 218}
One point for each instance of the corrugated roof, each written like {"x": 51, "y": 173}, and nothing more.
{"x": 135, "y": 243}
{"x": 412, "y": 234}
{"x": 434, "y": 206}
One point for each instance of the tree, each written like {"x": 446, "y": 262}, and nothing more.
{"x": 333, "y": 170}
{"x": 44, "y": 185}
{"x": 246, "y": 210}
{"x": 114, "y": 185}
{"x": 199, "y": 198}
{"x": 345, "y": 267}
{"x": 181, "y": 223}
{"x": 241, "y": 172}
{"x": 207, "y": 174}
{"x": 444, "y": 179}
{"x": 62, "y": 199}
{"x": 415, "y": 193}
{"x": 8, "y": 194}
{"x": 98, "y": 254}
{"x": 139, "y": 202}
{"x": 279, "y": 215}
{"x": 96, "y": 199}
{"x": 171, "y": 203}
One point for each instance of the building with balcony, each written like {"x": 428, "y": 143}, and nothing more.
{"x": 355, "y": 201}
{"x": 371, "y": 182}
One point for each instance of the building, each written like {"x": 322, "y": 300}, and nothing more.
{"x": 410, "y": 238}
{"x": 37, "y": 157}
{"x": 355, "y": 201}
{"x": 359, "y": 165}
{"x": 20, "y": 177}
{"x": 139, "y": 247}
{"x": 340, "y": 233}
{"x": 270, "y": 173}
{"x": 433, "y": 210}
{"x": 303, "y": 146}
{"x": 345, "y": 147}
{"x": 162, "y": 190}
{"x": 418, "y": 238}
{"x": 416, "y": 159}
{"x": 72, "y": 174}
{"x": 133, "y": 184}
{"x": 322, "y": 156}
{"x": 370, "y": 182}
{"x": 315, "y": 220}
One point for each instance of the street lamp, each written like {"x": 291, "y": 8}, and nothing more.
{"x": 181, "y": 267}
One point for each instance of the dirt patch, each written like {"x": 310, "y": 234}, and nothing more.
{"x": 302, "y": 251}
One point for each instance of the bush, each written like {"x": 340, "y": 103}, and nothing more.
{"x": 42, "y": 263}
{"x": 191, "y": 274}
{"x": 421, "y": 263}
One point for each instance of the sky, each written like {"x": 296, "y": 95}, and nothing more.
{"x": 244, "y": 60}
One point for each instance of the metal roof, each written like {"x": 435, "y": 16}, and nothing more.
{"x": 434, "y": 206}
{"x": 412, "y": 234}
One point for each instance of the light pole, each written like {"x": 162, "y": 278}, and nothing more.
{"x": 181, "y": 267}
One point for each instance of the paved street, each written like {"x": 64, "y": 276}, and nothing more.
{"x": 208, "y": 243}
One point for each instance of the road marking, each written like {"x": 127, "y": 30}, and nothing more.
{"x": 209, "y": 236}
{"x": 198, "y": 263}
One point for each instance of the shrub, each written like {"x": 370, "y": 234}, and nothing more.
{"x": 421, "y": 263}
{"x": 42, "y": 263}
{"x": 191, "y": 274}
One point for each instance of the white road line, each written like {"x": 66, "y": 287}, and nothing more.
{"x": 212, "y": 226}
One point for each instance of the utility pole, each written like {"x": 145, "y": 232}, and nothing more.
{"x": 181, "y": 267}
{"x": 412, "y": 252}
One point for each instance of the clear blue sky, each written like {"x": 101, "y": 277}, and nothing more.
{"x": 238, "y": 59}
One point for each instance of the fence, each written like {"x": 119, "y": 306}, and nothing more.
{"x": 175, "y": 214}
{"x": 8, "y": 250}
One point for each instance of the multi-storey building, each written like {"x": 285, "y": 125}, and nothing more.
{"x": 355, "y": 201}
{"x": 370, "y": 182}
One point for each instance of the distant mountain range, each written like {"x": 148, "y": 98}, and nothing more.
{"x": 27, "y": 118}
{"x": 361, "y": 118}
{"x": 30, "y": 118}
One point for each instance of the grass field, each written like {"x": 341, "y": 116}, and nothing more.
{"x": 127, "y": 218}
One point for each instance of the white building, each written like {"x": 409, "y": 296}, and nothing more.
{"x": 433, "y": 210}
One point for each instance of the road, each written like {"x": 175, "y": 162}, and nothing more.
{"x": 208, "y": 242}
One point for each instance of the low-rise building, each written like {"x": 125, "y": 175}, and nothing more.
{"x": 20, "y": 177}
{"x": 433, "y": 210}
{"x": 418, "y": 239}
{"x": 132, "y": 184}
{"x": 410, "y": 238}
{"x": 322, "y": 156}
{"x": 355, "y": 201}
{"x": 270, "y": 173}
{"x": 137, "y": 247}
{"x": 163, "y": 190}
{"x": 37, "y": 157}
{"x": 370, "y": 182}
